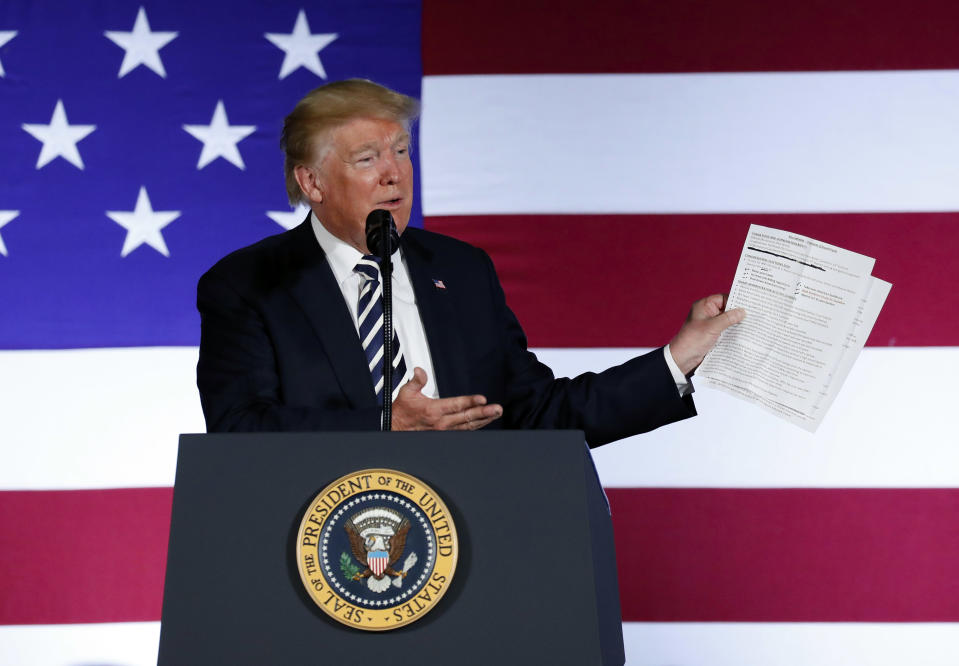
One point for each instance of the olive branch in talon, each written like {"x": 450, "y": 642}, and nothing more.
{"x": 349, "y": 569}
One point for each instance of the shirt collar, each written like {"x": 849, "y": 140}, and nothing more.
{"x": 343, "y": 257}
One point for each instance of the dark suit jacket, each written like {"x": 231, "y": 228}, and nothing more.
{"x": 279, "y": 350}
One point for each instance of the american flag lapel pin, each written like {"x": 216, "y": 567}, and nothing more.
{"x": 439, "y": 284}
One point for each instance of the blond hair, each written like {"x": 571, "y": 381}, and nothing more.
{"x": 330, "y": 106}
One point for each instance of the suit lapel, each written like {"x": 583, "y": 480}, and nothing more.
{"x": 315, "y": 290}
{"x": 439, "y": 318}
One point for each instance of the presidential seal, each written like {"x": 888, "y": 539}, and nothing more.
{"x": 377, "y": 549}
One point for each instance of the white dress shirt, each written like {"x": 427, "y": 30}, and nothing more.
{"x": 342, "y": 258}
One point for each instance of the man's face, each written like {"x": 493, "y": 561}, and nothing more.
{"x": 366, "y": 167}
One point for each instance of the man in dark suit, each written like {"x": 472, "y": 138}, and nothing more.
{"x": 282, "y": 320}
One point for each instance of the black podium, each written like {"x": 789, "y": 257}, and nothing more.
{"x": 535, "y": 582}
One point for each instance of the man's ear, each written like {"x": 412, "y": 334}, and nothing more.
{"x": 308, "y": 179}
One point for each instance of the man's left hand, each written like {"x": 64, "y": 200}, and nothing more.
{"x": 707, "y": 319}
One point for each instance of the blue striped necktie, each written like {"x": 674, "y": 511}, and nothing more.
{"x": 370, "y": 321}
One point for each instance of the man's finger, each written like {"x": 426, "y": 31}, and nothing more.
{"x": 471, "y": 418}
{"x": 715, "y": 304}
{"x": 452, "y": 406}
{"x": 483, "y": 413}
{"x": 482, "y": 423}
{"x": 475, "y": 424}
{"x": 709, "y": 307}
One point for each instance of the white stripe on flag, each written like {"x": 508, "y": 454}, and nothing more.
{"x": 95, "y": 418}
{"x": 647, "y": 644}
{"x": 789, "y": 644}
{"x": 889, "y": 426}
{"x": 117, "y": 644}
{"x": 670, "y": 143}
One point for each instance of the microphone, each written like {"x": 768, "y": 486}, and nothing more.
{"x": 382, "y": 239}
{"x": 381, "y": 236}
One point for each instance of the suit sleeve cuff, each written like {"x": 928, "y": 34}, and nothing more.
{"x": 683, "y": 384}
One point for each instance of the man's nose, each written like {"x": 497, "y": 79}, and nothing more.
{"x": 390, "y": 172}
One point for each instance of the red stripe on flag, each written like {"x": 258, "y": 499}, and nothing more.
{"x": 787, "y": 555}
{"x": 684, "y": 555}
{"x": 613, "y": 36}
{"x": 83, "y": 556}
{"x": 628, "y": 280}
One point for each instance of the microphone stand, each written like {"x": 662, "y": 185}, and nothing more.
{"x": 386, "y": 274}
{"x": 382, "y": 239}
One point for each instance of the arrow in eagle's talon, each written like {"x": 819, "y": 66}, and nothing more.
{"x": 407, "y": 565}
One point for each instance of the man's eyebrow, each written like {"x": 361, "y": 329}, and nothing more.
{"x": 362, "y": 149}
{"x": 371, "y": 145}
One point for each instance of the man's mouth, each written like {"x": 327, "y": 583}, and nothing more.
{"x": 391, "y": 203}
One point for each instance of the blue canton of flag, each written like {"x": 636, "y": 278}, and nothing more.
{"x": 141, "y": 144}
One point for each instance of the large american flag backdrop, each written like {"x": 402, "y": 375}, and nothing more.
{"x": 610, "y": 157}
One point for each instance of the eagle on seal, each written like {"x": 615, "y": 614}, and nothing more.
{"x": 377, "y": 539}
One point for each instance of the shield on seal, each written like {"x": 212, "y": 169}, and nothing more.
{"x": 377, "y": 561}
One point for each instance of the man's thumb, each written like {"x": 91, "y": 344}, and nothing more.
{"x": 730, "y": 318}
{"x": 419, "y": 379}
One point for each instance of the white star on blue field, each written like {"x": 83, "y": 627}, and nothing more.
{"x": 141, "y": 144}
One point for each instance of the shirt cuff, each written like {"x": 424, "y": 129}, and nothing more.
{"x": 683, "y": 384}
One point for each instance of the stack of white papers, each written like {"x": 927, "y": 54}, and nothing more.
{"x": 809, "y": 308}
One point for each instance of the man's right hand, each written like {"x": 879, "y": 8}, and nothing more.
{"x": 414, "y": 411}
